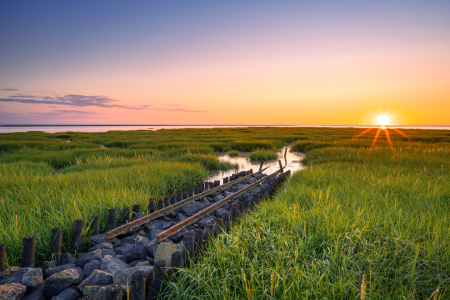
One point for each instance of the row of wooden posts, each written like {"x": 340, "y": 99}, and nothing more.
{"x": 28, "y": 243}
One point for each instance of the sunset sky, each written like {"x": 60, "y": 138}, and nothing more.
{"x": 224, "y": 62}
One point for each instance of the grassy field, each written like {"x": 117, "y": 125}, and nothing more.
{"x": 50, "y": 180}
{"x": 263, "y": 155}
{"x": 351, "y": 226}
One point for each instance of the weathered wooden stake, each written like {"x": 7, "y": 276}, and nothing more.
{"x": 159, "y": 276}
{"x": 113, "y": 292}
{"x": 78, "y": 236}
{"x": 191, "y": 193}
{"x": 96, "y": 225}
{"x": 136, "y": 209}
{"x": 179, "y": 196}
{"x": 151, "y": 205}
{"x": 260, "y": 167}
{"x": 125, "y": 215}
{"x": 137, "y": 285}
{"x": 198, "y": 239}
{"x": 2, "y": 257}
{"x": 188, "y": 242}
{"x": 176, "y": 262}
{"x": 28, "y": 252}
{"x": 55, "y": 242}
{"x": 111, "y": 218}
{"x": 173, "y": 200}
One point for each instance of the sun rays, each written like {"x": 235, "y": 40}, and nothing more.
{"x": 383, "y": 120}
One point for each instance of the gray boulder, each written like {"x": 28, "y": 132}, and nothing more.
{"x": 178, "y": 236}
{"x": 36, "y": 295}
{"x": 50, "y": 271}
{"x": 101, "y": 238}
{"x": 67, "y": 258}
{"x": 102, "y": 246}
{"x": 154, "y": 233}
{"x": 32, "y": 278}
{"x": 108, "y": 252}
{"x": 12, "y": 291}
{"x": 90, "y": 267}
{"x": 124, "y": 249}
{"x": 48, "y": 265}
{"x": 219, "y": 212}
{"x": 155, "y": 225}
{"x": 58, "y": 282}
{"x": 67, "y": 294}
{"x": 13, "y": 276}
{"x": 94, "y": 255}
{"x": 112, "y": 265}
{"x": 180, "y": 217}
{"x": 9, "y": 271}
{"x": 98, "y": 277}
{"x": 189, "y": 209}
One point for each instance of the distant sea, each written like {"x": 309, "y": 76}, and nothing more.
{"x": 104, "y": 128}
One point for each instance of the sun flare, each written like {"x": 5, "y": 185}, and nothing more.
{"x": 383, "y": 120}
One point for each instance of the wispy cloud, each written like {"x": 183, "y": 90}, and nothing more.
{"x": 71, "y": 100}
{"x": 176, "y": 108}
{"x": 8, "y": 89}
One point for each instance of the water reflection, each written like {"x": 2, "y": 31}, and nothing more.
{"x": 292, "y": 161}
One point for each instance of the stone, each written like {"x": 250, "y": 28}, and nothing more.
{"x": 108, "y": 252}
{"x": 127, "y": 240}
{"x": 123, "y": 258}
{"x": 12, "y": 291}
{"x": 98, "y": 291}
{"x": 142, "y": 241}
{"x": 124, "y": 249}
{"x": 90, "y": 267}
{"x": 33, "y": 278}
{"x": 58, "y": 282}
{"x": 150, "y": 260}
{"x": 202, "y": 222}
{"x": 88, "y": 297}
{"x": 137, "y": 216}
{"x": 102, "y": 246}
{"x": 219, "y": 212}
{"x": 139, "y": 251}
{"x": 67, "y": 258}
{"x": 178, "y": 236}
{"x": 50, "y": 271}
{"x": 67, "y": 294}
{"x": 154, "y": 233}
{"x": 189, "y": 209}
{"x": 94, "y": 255}
{"x": 166, "y": 225}
{"x": 154, "y": 225}
{"x": 218, "y": 198}
{"x": 134, "y": 263}
{"x": 165, "y": 250}
{"x": 9, "y": 271}
{"x": 101, "y": 238}
{"x": 180, "y": 218}
{"x": 98, "y": 277}
{"x": 143, "y": 263}
{"x": 15, "y": 276}
{"x": 112, "y": 265}
{"x": 123, "y": 276}
{"x": 36, "y": 295}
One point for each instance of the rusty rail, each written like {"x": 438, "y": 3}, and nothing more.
{"x": 138, "y": 222}
{"x": 178, "y": 227}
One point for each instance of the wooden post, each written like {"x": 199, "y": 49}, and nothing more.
{"x": 125, "y": 215}
{"x": 137, "y": 285}
{"x": 151, "y": 205}
{"x": 173, "y": 200}
{"x": 159, "y": 276}
{"x": 285, "y": 151}
{"x": 2, "y": 257}
{"x": 281, "y": 166}
{"x": 188, "y": 242}
{"x": 136, "y": 209}
{"x": 111, "y": 218}
{"x": 96, "y": 225}
{"x": 260, "y": 167}
{"x": 28, "y": 252}
{"x": 55, "y": 242}
{"x": 179, "y": 196}
{"x": 78, "y": 235}
{"x": 113, "y": 292}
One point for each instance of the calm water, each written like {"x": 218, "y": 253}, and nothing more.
{"x": 104, "y": 128}
{"x": 293, "y": 162}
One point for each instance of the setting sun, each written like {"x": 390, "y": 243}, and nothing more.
{"x": 383, "y": 120}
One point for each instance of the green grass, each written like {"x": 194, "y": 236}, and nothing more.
{"x": 263, "y": 155}
{"x": 351, "y": 226}
{"x": 233, "y": 153}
